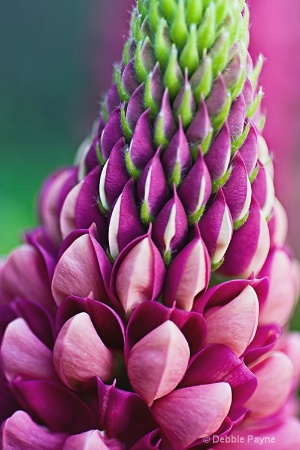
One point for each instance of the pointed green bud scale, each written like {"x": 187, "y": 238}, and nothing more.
{"x": 131, "y": 169}
{"x": 255, "y": 105}
{"x": 194, "y": 11}
{"x": 137, "y": 29}
{"x": 162, "y": 43}
{"x": 149, "y": 101}
{"x": 222, "y": 7}
{"x": 153, "y": 14}
{"x": 232, "y": 24}
{"x": 125, "y": 126}
{"x": 189, "y": 58}
{"x": 144, "y": 60}
{"x": 256, "y": 72}
{"x": 202, "y": 79}
{"x": 219, "y": 120}
{"x": 237, "y": 143}
{"x": 184, "y": 104}
{"x": 168, "y": 8}
{"x": 219, "y": 53}
{"x": 179, "y": 30}
{"x": 206, "y": 33}
{"x": 173, "y": 78}
{"x": 122, "y": 93}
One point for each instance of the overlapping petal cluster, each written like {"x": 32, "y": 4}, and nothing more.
{"x": 118, "y": 329}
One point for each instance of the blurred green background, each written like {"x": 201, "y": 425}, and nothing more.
{"x": 49, "y": 94}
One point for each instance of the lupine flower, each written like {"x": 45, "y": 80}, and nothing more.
{"x": 118, "y": 329}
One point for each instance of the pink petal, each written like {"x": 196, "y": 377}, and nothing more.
{"x": 192, "y": 413}
{"x": 139, "y": 273}
{"x": 20, "y": 432}
{"x": 283, "y": 285}
{"x": 274, "y": 375}
{"x": 79, "y": 354}
{"x": 77, "y": 272}
{"x": 235, "y": 323}
{"x": 24, "y": 355}
{"x": 158, "y": 361}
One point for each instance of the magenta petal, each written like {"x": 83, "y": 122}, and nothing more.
{"x": 124, "y": 223}
{"x": 119, "y": 409}
{"x": 196, "y": 189}
{"x": 138, "y": 273}
{"x": 20, "y": 432}
{"x": 187, "y": 275}
{"x": 217, "y": 97}
{"x": 249, "y": 150}
{"x": 236, "y": 117}
{"x": 129, "y": 80}
{"x": 152, "y": 186}
{"x": 92, "y": 440}
{"x": 218, "y": 156}
{"x": 158, "y": 361}
{"x": 191, "y": 413}
{"x": 87, "y": 210}
{"x": 216, "y": 228}
{"x": 237, "y": 190}
{"x": 114, "y": 176}
{"x": 165, "y": 116}
{"x": 200, "y": 126}
{"x": 249, "y": 246}
{"x": 68, "y": 212}
{"x": 141, "y": 147}
{"x": 79, "y": 354}
{"x": 170, "y": 227}
{"x": 177, "y": 156}
{"x": 111, "y": 134}
{"x": 53, "y": 405}
{"x": 135, "y": 107}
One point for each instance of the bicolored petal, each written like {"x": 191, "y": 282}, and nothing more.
{"x": 153, "y": 190}
{"x": 83, "y": 268}
{"x": 111, "y": 134}
{"x": 235, "y": 323}
{"x": 113, "y": 177}
{"x": 124, "y": 222}
{"x": 141, "y": 148}
{"x": 200, "y": 127}
{"x": 196, "y": 190}
{"x": 158, "y": 361}
{"x": 164, "y": 125}
{"x": 237, "y": 192}
{"x": 218, "y": 156}
{"x": 278, "y": 224}
{"x": 249, "y": 246}
{"x": 79, "y": 354}
{"x": 263, "y": 191}
{"x": 236, "y": 117}
{"x": 188, "y": 274}
{"x": 138, "y": 273}
{"x": 191, "y": 413}
{"x": 170, "y": 227}
{"x": 177, "y": 158}
{"x": 216, "y": 229}
{"x": 249, "y": 150}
